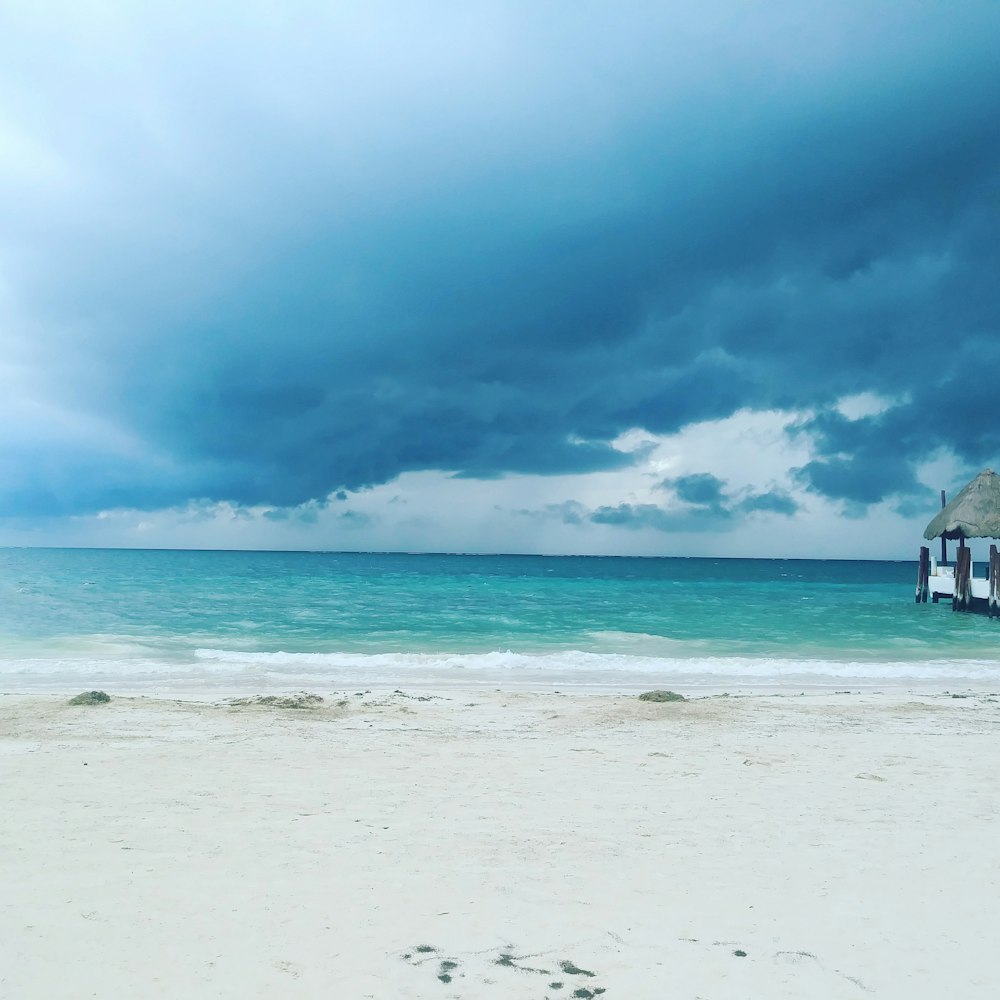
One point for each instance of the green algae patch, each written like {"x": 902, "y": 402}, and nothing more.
{"x": 661, "y": 696}
{"x": 297, "y": 701}
{"x": 91, "y": 698}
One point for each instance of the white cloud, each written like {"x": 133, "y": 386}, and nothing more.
{"x": 864, "y": 404}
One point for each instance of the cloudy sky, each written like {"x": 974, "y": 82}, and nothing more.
{"x": 635, "y": 277}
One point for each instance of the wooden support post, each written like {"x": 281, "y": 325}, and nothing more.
{"x": 962, "y": 600}
{"x": 923, "y": 574}
{"x": 944, "y": 544}
{"x": 994, "y": 592}
{"x": 966, "y": 598}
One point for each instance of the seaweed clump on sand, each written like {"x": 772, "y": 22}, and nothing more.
{"x": 661, "y": 696}
{"x": 303, "y": 700}
{"x": 91, "y": 698}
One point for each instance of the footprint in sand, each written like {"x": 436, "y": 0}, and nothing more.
{"x": 288, "y": 967}
{"x": 565, "y": 977}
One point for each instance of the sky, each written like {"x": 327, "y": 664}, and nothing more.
{"x": 688, "y": 278}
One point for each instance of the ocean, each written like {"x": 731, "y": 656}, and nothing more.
{"x": 181, "y": 620}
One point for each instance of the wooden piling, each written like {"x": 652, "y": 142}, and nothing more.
{"x": 923, "y": 574}
{"x": 994, "y": 591}
{"x": 944, "y": 544}
{"x": 962, "y": 600}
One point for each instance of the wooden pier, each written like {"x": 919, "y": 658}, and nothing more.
{"x": 959, "y": 584}
{"x": 974, "y": 513}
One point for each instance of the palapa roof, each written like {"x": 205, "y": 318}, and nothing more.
{"x": 974, "y": 513}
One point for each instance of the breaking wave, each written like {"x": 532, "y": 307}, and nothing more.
{"x": 222, "y": 668}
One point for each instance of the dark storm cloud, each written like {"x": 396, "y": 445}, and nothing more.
{"x": 300, "y": 253}
{"x": 698, "y": 488}
{"x": 772, "y": 502}
{"x": 647, "y": 515}
{"x": 700, "y": 502}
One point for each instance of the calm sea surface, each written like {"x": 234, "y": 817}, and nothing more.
{"x": 70, "y": 617}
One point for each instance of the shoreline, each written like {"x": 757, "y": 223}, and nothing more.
{"x": 162, "y": 846}
{"x": 211, "y": 690}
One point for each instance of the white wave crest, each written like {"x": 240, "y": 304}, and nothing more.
{"x": 572, "y": 662}
{"x": 215, "y": 669}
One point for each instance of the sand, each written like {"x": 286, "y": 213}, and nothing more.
{"x": 470, "y": 844}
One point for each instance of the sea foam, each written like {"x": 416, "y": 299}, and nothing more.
{"x": 333, "y": 669}
{"x": 570, "y": 662}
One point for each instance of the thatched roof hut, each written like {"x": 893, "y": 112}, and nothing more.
{"x": 974, "y": 513}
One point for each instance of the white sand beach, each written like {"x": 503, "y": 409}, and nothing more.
{"x": 467, "y": 843}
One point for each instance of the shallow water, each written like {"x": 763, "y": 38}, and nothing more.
{"x": 346, "y": 617}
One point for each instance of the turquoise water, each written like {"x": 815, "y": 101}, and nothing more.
{"x": 312, "y": 617}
